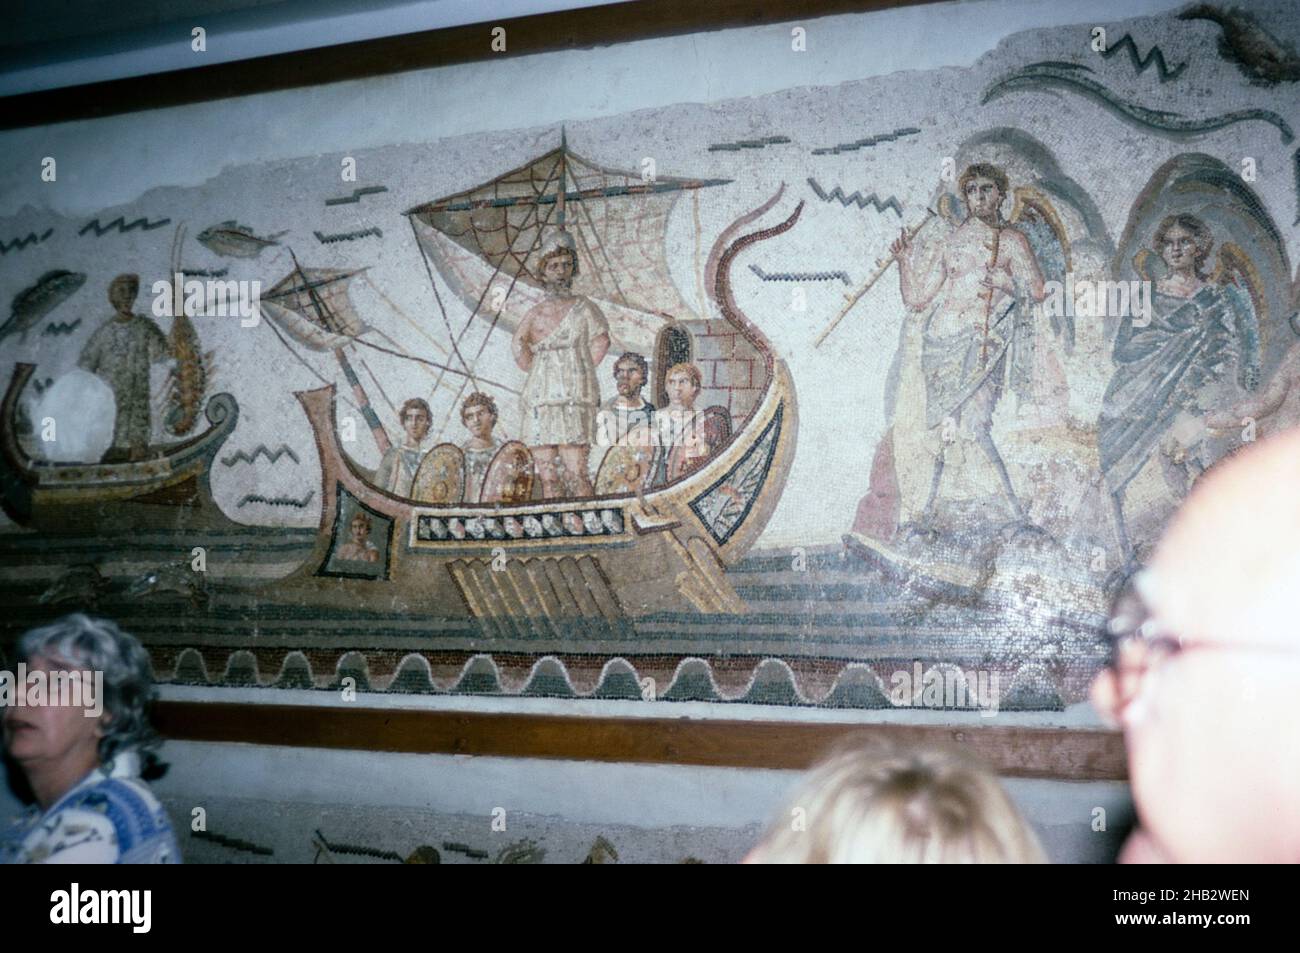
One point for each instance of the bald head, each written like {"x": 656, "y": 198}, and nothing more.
{"x": 1228, "y": 567}
{"x": 1212, "y": 737}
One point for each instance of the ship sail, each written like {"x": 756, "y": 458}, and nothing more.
{"x": 311, "y": 305}
{"x": 485, "y": 242}
{"x": 292, "y": 305}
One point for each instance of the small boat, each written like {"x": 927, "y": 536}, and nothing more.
{"x": 170, "y": 490}
{"x": 550, "y": 567}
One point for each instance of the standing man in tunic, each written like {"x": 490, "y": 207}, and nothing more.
{"x": 120, "y": 352}
{"x": 559, "y": 342}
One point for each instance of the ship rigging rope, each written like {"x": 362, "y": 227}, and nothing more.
{"x": 423, "y": 360}
{"x": 496, "y": 317}
{"x": 455, "y": 339}
{"x": 303, "y": 361}
{"x": 595, "y": 236}
{"x": 404, "y": 316}
{"x": 380, "y": 388}
{"x": 534, "y": 213}
{"x": 438, "y": 298}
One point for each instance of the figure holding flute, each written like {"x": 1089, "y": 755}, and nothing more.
{"x": 971, "y": 297}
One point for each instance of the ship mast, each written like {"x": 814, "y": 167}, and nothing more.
{"x": 330, "y": 323}
{"x": 564, "y": 177}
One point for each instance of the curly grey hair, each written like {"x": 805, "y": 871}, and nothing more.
{"x": 100, "y": 646}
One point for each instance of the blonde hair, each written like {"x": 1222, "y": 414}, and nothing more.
{"x": 888, "y": 804}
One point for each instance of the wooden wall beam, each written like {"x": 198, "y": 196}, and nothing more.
{"x": 540, "y": 33}
{"x": 1064, "y": 754}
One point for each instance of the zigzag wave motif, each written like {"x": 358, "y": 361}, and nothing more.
{"x": 18, "y": 244}
{"x": 1039, "y": 76}
{"x": 868, "y": 142}
{"x": 234, "y": 843}
{"x": 356, "y": 195}
{"x": 1295, "y": 160}
{"x": 348, "y": 236}
{"x": 748, "y": 144}
{"x": 801, "y": 275}
{"x": 56, "y": 328}
{"x": 277, "y": 501}
{"x": 761, "y": 679}
{"x": 857, "y": 199}
{"x": 260, "y": 451}
{"x": 1140, "y": 63}
{"x": 357, "y": 850}
{"x": 120, "y": 223}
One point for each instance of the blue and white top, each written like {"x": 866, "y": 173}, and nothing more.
{"x": 110, "y": 817}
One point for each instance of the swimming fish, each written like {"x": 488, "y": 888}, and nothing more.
{"x": 236, "y": 241}
{"x": 81, "y": 583}
{"x": 179, "y": 579}
{"x": 1264, "y": 59}
{"x": 35, "y": 302}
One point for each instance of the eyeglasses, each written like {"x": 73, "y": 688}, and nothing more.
{"x": 1140, "y": 645}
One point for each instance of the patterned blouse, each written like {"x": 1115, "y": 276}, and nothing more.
{"x": 111, "y": 817}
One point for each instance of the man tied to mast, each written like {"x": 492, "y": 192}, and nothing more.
{"x": 558, "y": 343}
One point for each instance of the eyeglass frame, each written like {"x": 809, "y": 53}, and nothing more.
{"x": 1166, "y": 645}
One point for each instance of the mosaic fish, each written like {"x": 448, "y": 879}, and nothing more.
{"x": 236, "y": 241}
{"x": 178, "y": 578}
{"x": 81, "y": 583}
{"x": 35, "y": 302}
{"x": 602, "y": 852}
{"x": 1257, "y": 53}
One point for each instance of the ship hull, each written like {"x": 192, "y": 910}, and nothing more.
{"x": 662, "y": 551}
{"x": 168, "y": 491}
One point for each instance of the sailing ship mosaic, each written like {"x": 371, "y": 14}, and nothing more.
{"x": 911, "y": 369}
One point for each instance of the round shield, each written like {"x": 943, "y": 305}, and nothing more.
{"x": 440, "y": 477}
{"x": 509, "y": 477}
{"x": 716, "y": 426}
{"x": 712, "y": 430}
{"x": 627, "y": 464}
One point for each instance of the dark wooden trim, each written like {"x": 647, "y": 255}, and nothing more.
{"x": 565, "y": 30}
{"x": 1064, "y": 754}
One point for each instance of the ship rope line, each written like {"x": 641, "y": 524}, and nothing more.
{"x": 497, "y": 316}
{"x": 331, "y": 322}
{"x": 307, "y": 364}
{"x": 404, "y": 316}
{"x": 452, "y": 336}
{"x": 534, "y": 213}
{"x": 379, "y": 387}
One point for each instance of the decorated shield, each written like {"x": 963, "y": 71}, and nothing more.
{"x": 627, "y": 464}
{"x": 712, "y": 430}
{"x": 509, "y": 477}
{"x": 440, "y": 478}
